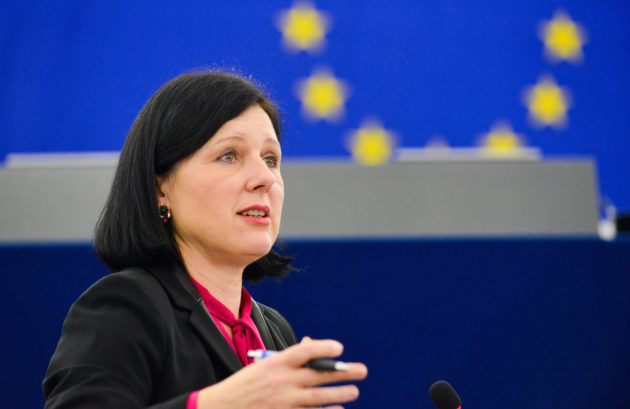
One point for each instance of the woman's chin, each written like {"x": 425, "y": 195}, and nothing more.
{"x": 258, "y": 249}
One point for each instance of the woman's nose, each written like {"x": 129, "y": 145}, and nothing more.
{"x": 260, "y": 175}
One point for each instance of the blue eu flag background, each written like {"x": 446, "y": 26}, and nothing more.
{"x": 354, "y": 79}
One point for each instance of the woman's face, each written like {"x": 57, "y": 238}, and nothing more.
{"x": 226, "y": 199}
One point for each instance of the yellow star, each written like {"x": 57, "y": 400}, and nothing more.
{"x": 323, "y": 96}
{"x": 563, "y": 38}
{"x": 303, "y": 27}
{"x": 501, "y": 140}
{"x": 371, "y": 144}
{"x": 547, "y": 103}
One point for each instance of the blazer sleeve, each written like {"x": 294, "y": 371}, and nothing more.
{"x": 111, "y": 348}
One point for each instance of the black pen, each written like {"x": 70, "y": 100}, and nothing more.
{"x": 320, "y": 364}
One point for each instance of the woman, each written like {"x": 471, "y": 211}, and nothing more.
{"x": 194, "y": 209}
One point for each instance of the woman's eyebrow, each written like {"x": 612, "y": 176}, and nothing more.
{"x": 235, "y": 138}
{"x": 240, "y": 138}
{"x": 273, "y": 140}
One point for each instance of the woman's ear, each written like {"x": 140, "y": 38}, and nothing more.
{"x": 160, "y": 187}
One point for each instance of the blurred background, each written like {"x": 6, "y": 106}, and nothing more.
{"x": 526, "y": 318}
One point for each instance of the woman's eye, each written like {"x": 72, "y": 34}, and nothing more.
{"x": 228, "y": 157}
{"x": 271, "y": 161}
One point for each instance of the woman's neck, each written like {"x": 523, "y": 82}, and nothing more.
{"x": 223, "y": 280}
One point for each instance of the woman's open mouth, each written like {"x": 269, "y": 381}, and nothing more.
{"x": 256, "y": 214}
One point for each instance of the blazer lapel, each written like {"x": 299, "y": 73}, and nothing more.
{"x": 183, "y": 293}
{"x": 263, "y": 328}
{"x": 201, "y": 320}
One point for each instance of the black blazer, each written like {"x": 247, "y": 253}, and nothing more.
{"x": 143, "y": 338}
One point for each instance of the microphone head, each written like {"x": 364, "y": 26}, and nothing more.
{"x": 444, "y": 396}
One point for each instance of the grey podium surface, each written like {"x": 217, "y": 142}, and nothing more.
{"x": 61, "y": 203}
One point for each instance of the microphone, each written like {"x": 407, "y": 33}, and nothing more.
{"x": 444, "y": 396}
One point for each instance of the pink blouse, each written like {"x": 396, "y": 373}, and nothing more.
{"x": 244, "y": 331}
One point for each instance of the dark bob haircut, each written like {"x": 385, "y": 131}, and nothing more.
{"x": 180, "y": 118}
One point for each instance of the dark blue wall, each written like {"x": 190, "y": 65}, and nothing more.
{"x": 510, "y": 323}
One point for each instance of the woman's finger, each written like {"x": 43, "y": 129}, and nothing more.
{"x": 299, "y": 354}
{"x": 327, "y": 395}
{"x": 312, "y": 377}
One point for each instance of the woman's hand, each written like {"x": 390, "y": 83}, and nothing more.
{"x": 281, "y": 381}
